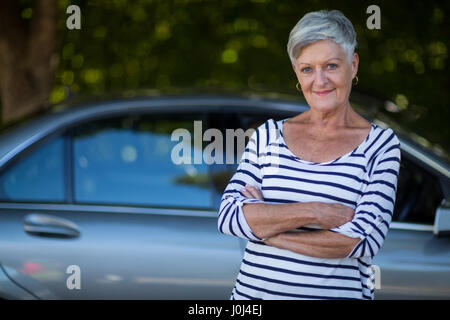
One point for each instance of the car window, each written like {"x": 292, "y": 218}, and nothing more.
{"x": 418, "y": 193}
{"x": 130, "y": 160}
{"x": 36, "y": 176}
{"x": 222, "y": 172}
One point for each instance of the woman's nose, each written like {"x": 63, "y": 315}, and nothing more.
{"x": 320, "y": 78}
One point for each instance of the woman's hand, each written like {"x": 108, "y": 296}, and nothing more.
{"x": 252, "y": 192}
{"x": 331, "y": 215}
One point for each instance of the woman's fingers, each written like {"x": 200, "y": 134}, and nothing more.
{"x": 256, "y": 193}
{"x": 246, "y": 193}
{"x": 252, "y": 192}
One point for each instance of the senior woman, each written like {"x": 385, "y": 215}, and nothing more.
{"x": 314, "y": 194}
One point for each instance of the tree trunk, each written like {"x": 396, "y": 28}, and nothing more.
{"x": 28, "y": 58}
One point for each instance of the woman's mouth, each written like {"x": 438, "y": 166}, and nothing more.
{"x": 323, "y": 92}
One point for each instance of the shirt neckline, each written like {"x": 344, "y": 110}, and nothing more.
{"x": 372, "y": 127}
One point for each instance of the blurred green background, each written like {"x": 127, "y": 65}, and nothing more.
{"x": 166, "y": 46}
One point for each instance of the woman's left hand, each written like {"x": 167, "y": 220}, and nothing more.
{"x": 252, "y": 192}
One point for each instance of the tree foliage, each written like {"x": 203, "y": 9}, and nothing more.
{"x": 168, "y": 45}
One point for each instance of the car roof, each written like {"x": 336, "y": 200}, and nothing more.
{"x": 41, "y": 126}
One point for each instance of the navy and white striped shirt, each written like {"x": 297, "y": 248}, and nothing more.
{"x": 364, "y": 179}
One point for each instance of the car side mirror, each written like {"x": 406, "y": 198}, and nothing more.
{"x": 442, "y": 219}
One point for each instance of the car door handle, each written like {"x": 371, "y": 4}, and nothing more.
{"x": 50, "y": 226}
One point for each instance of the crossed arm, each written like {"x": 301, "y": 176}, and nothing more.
{"x": 273, "y": 222}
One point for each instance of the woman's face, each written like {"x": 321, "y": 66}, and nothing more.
{"x": 325, "y": 75}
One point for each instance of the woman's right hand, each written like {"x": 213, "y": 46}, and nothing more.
{"x": 252, "y": 192}
{"x": 331, "y": 215}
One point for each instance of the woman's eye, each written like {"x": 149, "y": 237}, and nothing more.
{"x": 332, "y": 66}
{"x": 306, "y": 69}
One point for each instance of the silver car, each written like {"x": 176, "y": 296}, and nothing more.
{"x": 92, "y": 205}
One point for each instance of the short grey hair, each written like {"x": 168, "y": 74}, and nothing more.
{"x": 322, "y": 25}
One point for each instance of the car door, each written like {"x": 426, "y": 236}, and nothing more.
{"x": 413, "y": 263}
{"x": 104, "y": 212}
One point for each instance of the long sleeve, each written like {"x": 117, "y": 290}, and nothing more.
{"x": 374, "y": 209}
{"x": 231, "y": 216}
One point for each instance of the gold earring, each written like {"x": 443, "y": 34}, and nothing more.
{"x": 297, "y": 86}
{"x": 355, "y": 83}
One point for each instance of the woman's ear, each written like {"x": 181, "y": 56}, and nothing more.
{"x": 355, "y": 63}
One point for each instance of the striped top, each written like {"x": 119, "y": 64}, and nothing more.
{"x": 364, "y": 179}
